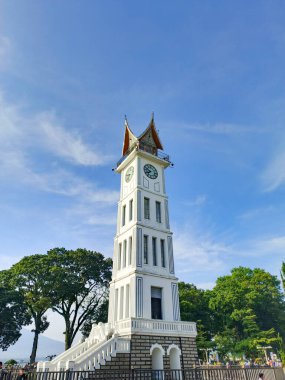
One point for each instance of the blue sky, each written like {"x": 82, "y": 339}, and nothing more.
{"x": 213, "y": 74}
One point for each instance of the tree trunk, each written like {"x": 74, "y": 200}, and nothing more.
{"x": 68, "y": 334}
{"x": 35, "y": 346}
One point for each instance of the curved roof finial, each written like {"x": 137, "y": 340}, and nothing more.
{"x": 152, "y": 116}
{"x": 126, "y": 121}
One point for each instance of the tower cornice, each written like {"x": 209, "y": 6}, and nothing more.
{"x": 150, "y": 227}
{"x": 160, "y": 159}
{"x": 140, "y": 187}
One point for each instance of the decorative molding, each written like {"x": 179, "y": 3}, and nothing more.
{"x": 133, "y": 245}
{"x": 145, "y": 183}
{"x": 175, "y": 347}
{"x": 170, "y": 254}
{"x": 139, "y": 297}
{"x": 156, "y": 345}
{"x": 157, "y": 187}
{"x": 139, "y": 205}
{"x": 175, "y": 302}
{"x": 163, "y": 182}
{"x": 166, "y": 213}
{"x": 139, "y": 247}
{"x": 139, "y": 170}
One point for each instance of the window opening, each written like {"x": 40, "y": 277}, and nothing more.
{"x": 158, "y": 211}
{"x": 131, "y": 210}
{"x": 156, "y": 303}
{"x": 125, "y": 254}
{"x": 124, "y": 215}
{"x": 162, "y": 252}
{"x": 145, "y": 249}
{"x": 130, "y": 250}
{"x": 154, "y": 256}
{"x": 120, "y": 256}
{"x": 146, "y": 208}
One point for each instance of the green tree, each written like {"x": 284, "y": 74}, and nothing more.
{"x": 11, "y": 362}
{"x": 282, "y": 273}
{"x": 30, "y": 276}
{"x": 13, "y": 312}
{"x": 99, "y": 315}
{"x": 80, "y": 282}
{"x": 194, "y": 306}
{"x": 250, "y": 308}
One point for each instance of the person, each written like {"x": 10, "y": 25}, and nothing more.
{"x": 2, "y": 371}
{"x": 261, "y": 376}
{"x": 22, "y": 374}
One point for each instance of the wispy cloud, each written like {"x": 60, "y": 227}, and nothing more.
{"x": 269, "y": 247}
{"x": 219, "y": 128}
{"x": 274, "y": 174}
{"x": 65, "y": 144}
{"x": 256, "y": 212}
{"x": 198, "y": 252}
{"x": 198, "y": 201}
{"x": 21, "y": 139}
{"x": 21, "y": 133}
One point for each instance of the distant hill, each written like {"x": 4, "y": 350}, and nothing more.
{"x": 23, "y": 347}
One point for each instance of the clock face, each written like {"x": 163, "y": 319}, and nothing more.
{"x": 150, "y": 171}
{"x": 129, "y": 173}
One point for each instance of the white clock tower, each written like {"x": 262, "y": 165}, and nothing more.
{"x": 144, "y": 330}
{"x": 144, "y": 283}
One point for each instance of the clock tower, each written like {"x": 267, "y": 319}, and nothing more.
{"x": 144, "y": 300}
{"x": 144, "y": 330}
{"x": 144, "y": 283}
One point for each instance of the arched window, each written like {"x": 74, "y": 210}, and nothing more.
{"x": 157, "y": 353}
{"x": 174, "y": 353}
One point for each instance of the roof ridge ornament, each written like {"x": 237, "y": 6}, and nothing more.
{"x": 126, "y": 121}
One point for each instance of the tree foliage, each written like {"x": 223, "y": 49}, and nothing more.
{"x": 194, "y": 306}
{"x": 282, "y": 273}
{"x": 99, "y": 315}
{"x": 250, "y": 309}
{"x": 245, "y": 310}
{"x": 80, "y": 281}
{"x": 13, "y": 312}
{"x": 30, "y": 276}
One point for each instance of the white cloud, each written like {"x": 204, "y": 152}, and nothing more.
{"x": 22, "y": 136}
{"x": 21, "y": 133}
{"x": 198, "y": 201}
{"x": 256, "y": 213}
{"x": 272, "y": 246}
{"x": 274, "y": 174}
{"x": 67, "y": 145}
{"x": 218, "y": 128}
{"x": 198, "y": 252}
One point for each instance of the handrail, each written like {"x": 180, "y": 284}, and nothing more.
{"x": 145, "y": 148}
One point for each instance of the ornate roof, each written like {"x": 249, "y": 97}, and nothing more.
{"x": 148, "y": 137}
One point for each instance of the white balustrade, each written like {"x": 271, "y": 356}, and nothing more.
{"x": 151, "y": 326}
{"x": 97, "y": 349}
{"x": 93, "y": 359}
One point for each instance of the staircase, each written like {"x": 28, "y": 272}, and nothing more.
{"x": 91, "y": 354}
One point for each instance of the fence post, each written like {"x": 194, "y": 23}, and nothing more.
{"x": 195, "y": 373}
{"x": 274, "y": 373}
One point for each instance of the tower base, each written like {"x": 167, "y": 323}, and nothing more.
{"x": 131, "y": 344}
{"x": 141, "y": 352}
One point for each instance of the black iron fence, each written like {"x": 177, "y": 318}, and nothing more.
{"x": 144, "y": 374}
